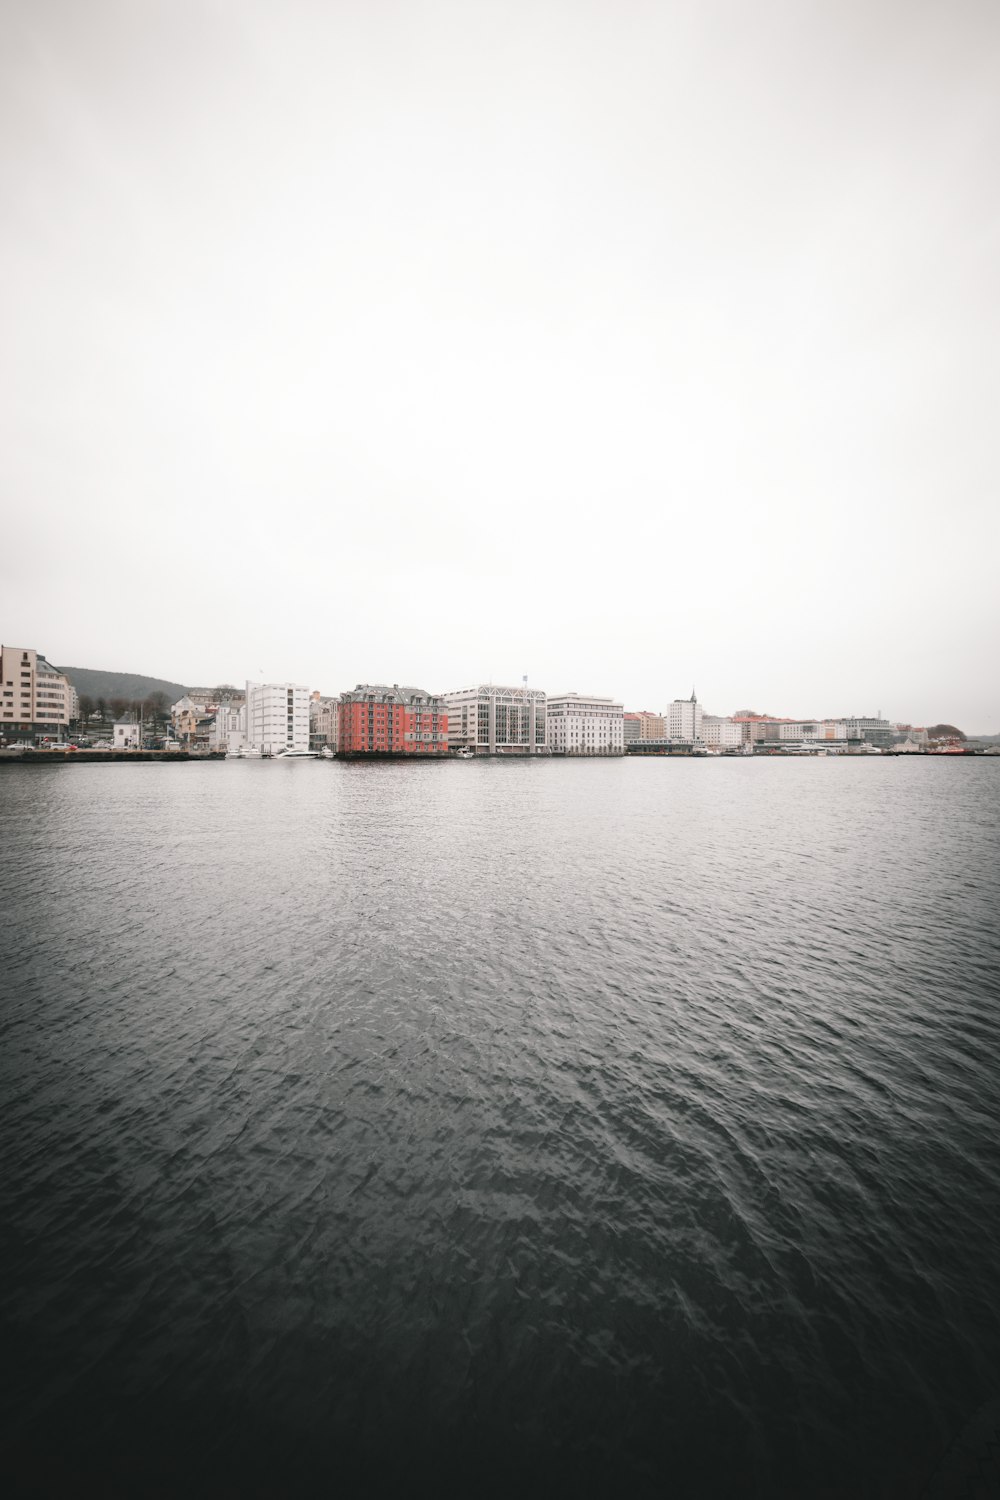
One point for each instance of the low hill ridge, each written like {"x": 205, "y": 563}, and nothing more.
{"x": 131, "y": 685}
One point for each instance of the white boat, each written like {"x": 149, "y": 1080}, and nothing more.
{"x": 465, "y": 754}
{"x": 296, "y": 755}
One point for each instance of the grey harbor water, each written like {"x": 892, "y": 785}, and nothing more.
{"x": 566, "y": 1127}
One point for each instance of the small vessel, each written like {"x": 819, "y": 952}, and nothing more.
{"x": 465, "y": 753}
{"x": 296, "y": 755}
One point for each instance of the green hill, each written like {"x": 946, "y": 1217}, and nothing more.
{"x": 130, "y": 685}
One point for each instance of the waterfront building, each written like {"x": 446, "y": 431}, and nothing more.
{"x": 227, "y": 731}
{"x": 376, "y": 720}
{"x": 721, "y": 733}
{"x": 125, "y": 735}
{"x": 798, "y": 734}
{"x": 491, "y": 720}
{"x": 583, "y": 724}
{"x": 910, "y": 732}
{"x": 643, "y": 725}
{"x": 324, "y": 722}
{"x": 684, "y": 718}
{"x": 36, "y": 698}
{"x": 277, "y": 717}
{"x": 870, "y": 731}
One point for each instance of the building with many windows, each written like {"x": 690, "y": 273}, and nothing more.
{"x": 227, "y": 730}
{"x": 277, "y": 717}
{"x": 583, "y": 724}
{"x": 644, "y": 725}
{"x": 870, "y": 731}
{"x": 720, "y": 732}
{"x": 324, "y": 722}
{"x": 684, "y": 718}
{"x": 491, "y": 720}
{"x": 375, "y": 720}
{"x": 36, "y": 698}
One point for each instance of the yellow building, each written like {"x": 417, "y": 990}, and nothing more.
{"x": 37, "y": 700}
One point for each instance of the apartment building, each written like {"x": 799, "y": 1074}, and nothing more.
{"x": 720, "y": 732}
{"x": 491, "y": 720}
{"x": 324, "y": 722}
{"x": 37, "y": 700}
{"x": 644, "y": 725}
{"x": 585, "y": 724}
{"x": 228, "y": 729}
{"x": 375, "y": 720}
{"x": 684, "y": 718}
{"x": 277, "y": 717}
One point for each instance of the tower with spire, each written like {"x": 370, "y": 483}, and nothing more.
{"x": 684, "y": 718}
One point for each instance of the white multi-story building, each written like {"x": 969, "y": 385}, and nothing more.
{"x": 277, "y": 717}
{"x": 490, "y": 720}
{"x": 36, "y": 698}
{"x": 583, "y": 724}
{"x": 720, "y": 732}
{"x": 229, "y": 728}
{"x": 812, "y": 731}
{"x": 684, "y": 718}
{"x": 871, "y": 731}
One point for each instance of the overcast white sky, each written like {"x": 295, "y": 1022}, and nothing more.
{"x": 626, "y": 345}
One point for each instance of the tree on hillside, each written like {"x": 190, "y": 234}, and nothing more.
{"x": 748, "y": 713}
{"x": 102, "y": 708}
{"x": 156, "y": 709}
{"x": 118, "y": 707}
{"x": 85, "y": 708}
{"x": 944, "y": 732}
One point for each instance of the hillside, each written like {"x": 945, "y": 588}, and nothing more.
{"x": 130, "y": 685}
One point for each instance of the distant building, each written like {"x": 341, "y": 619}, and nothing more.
{"x": 375, "y": 720}
{"x": 870, "y": 731}
{"x": 210, "y": 698}
{"x": 491, "y": 720}
{"x": 684, "y": 717}
{"x": 324, "y": 722}
{"x": 36, "y": 699}
{"x": 643, "y": 725}
{"x": 583, "y": 724}
{"x": 800, "y": 734}
{"x": 721, "y": 733}
{"x": 227, "y": 730}
{"x": 277, "y": 717}
{"x": 125, "y": 735}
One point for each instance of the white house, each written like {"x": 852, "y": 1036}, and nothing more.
{"x": 126, "y": 735}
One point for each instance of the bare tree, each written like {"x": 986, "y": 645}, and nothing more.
{"x": 85, "y": 708}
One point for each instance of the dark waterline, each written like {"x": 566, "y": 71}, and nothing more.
{"x": 570, "y": 1127}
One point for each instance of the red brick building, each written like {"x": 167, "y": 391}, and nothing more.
{"x": 375, "y": 720}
